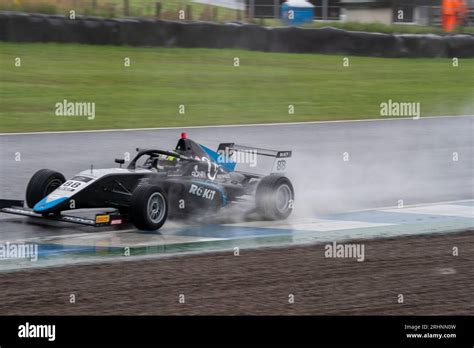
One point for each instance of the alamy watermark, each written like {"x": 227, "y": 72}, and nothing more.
{"x": 336, "y": 250}
{"x": 67, "y": 108}
{"x": 28, "y": 251}
{"x": 392, "y": 108}
{"x": 28, "y": 330}
{"x": 241, "y": 156}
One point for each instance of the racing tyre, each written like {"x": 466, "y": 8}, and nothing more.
{"x": 41, "y": 184}
{"x": 149, "y": 207}
{"x": 275, "y": 197}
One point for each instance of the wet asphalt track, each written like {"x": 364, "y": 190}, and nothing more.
{"x": 390, "y": 160}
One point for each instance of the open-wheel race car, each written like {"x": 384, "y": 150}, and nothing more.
{"x": 191, "y": 179}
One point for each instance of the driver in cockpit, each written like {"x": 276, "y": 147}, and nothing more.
{"x": 163, "y": 162}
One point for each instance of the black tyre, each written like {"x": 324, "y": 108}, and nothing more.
{"x": 149, "y": 207}
{"x": 275, "y": 197}
{"x": 41, "y": 184}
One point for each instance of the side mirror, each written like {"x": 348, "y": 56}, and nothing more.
{"x": 120, "y": 161}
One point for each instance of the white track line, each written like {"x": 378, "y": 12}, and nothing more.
{"x": 394, "y": 207}
{"x": 440, "y": 210}
{"x": 232, "y": 125}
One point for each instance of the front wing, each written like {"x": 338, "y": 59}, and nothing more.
{"x": 100, "y": 220}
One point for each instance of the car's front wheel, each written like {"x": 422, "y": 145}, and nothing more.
{"x": 41, "y": 184}
{"x": 149, "y": 207}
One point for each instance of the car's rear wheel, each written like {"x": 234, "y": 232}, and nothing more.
{"x": 41, "y": 184}
{"x": 149, "y": 207}
{"x": 275, "y": 197}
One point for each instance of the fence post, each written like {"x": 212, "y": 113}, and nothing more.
{"x": 325, "y": 10}
{"x": 276, "y": 5}
{"x": 251, "y": 9}
{"x": 189, "y": 13}
{"x": 430, "y": 15}
{"x": 126, "y": 7}
{"x": 158, "y": 10}
{"x": 214, "y": 13}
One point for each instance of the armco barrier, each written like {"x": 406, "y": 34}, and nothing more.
{"x": 22, "y": 27}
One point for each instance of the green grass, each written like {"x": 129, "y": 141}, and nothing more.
{"x": 148, "y": 93}
{"x": 116, "y": 8}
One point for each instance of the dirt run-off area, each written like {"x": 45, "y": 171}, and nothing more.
{"x": 279, "y": 281}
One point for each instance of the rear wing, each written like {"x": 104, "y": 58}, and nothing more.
{"x": 234, "y": 154}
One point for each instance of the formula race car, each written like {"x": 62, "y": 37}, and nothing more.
{"x": 191, "y": 179}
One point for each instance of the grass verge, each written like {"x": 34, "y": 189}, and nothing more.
{"x": 212, "y": 90}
